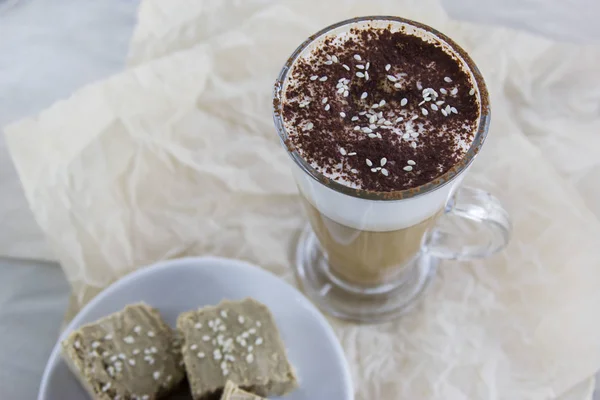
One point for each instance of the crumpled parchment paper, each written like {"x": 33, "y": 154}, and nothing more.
{"x": 177, "y": 156}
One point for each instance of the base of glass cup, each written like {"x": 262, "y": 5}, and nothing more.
{"x": 350, "y": 302}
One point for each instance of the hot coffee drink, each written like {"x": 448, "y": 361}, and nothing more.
{"x": 382, "y": 117}
{"x": 379, "y": 107}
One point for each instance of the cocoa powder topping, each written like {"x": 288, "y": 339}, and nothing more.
{"x": 380, "y": 110}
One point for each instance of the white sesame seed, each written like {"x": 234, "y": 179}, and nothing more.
{"x": 156, "y": 375}
{"x": 106, "y": 387}
{"x": 334, "y": 59}
{"x": 198, "y": 325}
{"x": 439, "y": 103}
{"x": 150, "y": 333}
{"x": 421, "y": 103}
{"x": 399, "y": 119}
{"x": 375, "y": 106}
{"x": 135, "y": 352}
{"x": 352, "y": 153}
{"x": 363, "y": 95}
{"x": 472, "y": 92}
{"x": 368, "y": 65}
{"x": 324, "y": 100}
{"x": 95, "y": 345}
{"x": 369, "y": 163}
{"x": 355, "y": 118}
{"x": 444, "y": 113}
{"x": 77, "y": 344}
{"x": 122, "y": 356}
{"x": 340, "y": 90}
{"x": 454, "y": 110}
{"x": 414, "y": 134}
{"x": 379, "y": 136}
{"x": 392, "y": 78}
{"x": 386, "y": 122}
{"x": 360, "y": 66}
{"x": 434, "y": 107}
{"x": 346, "y": 67}
{"x": 323, "y": 78}
{"x": 346, "y": 93}
{"x": 250, "y": 358}
{"x": 454, "y": 91}
{"x": 108, "y": 337}
{"x": 328, "y": 62}
{"x": 367, "y": 130}
{"x": 419, "y": 86}
{"x": 113, "y": 358}
{"x": 128, "y": 339}
{"x": 327, "y": 107}
{"x": 308, "y": 127}
{"x": 357, "y": 128}
{"x": 408, "y": 168}
{"x": 443, "y": 91}
{"x": 447, "y": 79}
{"x": 206, "y": 338}
{"x": 111, "y": 370}
{"x": 406, "y": 136}
{"x": 411, "y": 162}
{"x": 360, "y": 74}
{"x": 193, "y": 347}
{"x": 384, "y": 172}
{"x": 343, "y": 114}
{"x": 373, "y": 118}
{"x": 383, "y": 161}
{"x": 374, "y": 170}
{"x": 201, "y": 355}
{"x": 404, "y": 102}
{"x": 343, "y": 151}
{"x": 413, "y": 145}
{"x": 424, "y": 111}
{"x": 357, "y": 57}
{"x": 372, "y": 135}
{"x": 382, "y": 103}
{"x": 414, "y": 117}
{"x": 314, "y": 78}
{"x": 387, "y": 67}
{"x": 398, "y": 85}
{"x": 354, "y": 170}
{"x": 131, "y": 361}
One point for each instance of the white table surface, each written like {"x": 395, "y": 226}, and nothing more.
{"x": 47, "y": 50}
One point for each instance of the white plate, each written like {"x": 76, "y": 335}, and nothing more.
{"x": 180, "y": 285}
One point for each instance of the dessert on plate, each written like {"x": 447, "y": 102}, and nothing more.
{"x": 237, "y": 341}
{"x": 131, "y": 354}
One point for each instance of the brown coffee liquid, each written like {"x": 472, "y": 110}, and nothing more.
{"x": 366, "y": 258}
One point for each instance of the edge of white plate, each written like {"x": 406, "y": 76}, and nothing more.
{"x": 165, "y": 264}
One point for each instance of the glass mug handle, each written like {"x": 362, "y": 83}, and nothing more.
{"x": 474, "y": 225}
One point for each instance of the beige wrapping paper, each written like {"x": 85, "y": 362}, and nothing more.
{"x": 177, "y": 156}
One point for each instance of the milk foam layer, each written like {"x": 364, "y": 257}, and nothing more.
{"x": 367, "y": 214}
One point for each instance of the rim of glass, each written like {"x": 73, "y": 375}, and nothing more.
{"x": 447, "y": 177}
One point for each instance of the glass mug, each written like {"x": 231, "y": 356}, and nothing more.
{"x": 368, "y": 256}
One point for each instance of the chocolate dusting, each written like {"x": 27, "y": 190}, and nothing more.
{"x": 406, "y": 145}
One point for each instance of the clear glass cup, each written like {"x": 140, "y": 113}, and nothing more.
{"x": 368, "y": 256}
